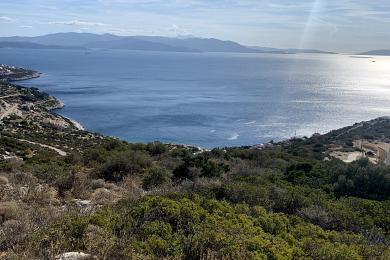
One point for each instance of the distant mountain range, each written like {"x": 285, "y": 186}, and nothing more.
{"x": 377, "y": 52}
{"x": 137, "y": 44}
{"x": 31, "y": 45}
{"x": 291, "y": 51}
{"x": 145, "y": 43}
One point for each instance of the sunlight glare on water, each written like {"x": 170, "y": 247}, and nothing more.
{"x": 210, "y": 99}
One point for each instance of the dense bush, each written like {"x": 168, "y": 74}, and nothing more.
{"x": 199, "y": 228}
{"x": 156, "y": 148}
{"x": 155, "y": 177}
{"x": 117, "y": 167}
{"x": 361, "y": 179}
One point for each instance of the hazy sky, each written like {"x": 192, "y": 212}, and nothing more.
{"x": 336, "y": 25}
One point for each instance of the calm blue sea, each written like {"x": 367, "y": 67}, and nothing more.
{"x": 209, "y": 99}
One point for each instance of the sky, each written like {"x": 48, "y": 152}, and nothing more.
{"x": 333, "y": 25}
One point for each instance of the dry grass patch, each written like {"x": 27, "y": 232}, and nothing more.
{"x": 8, "y": 211}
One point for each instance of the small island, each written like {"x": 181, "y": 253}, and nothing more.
{"x": 67, "y": 193}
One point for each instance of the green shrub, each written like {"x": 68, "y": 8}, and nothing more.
{"x": 124, "y": 164}
{"x": 156, "y": 176}
{"x": 156, "y": 148}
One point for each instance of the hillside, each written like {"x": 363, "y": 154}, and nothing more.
{"x": 109, "y": 41}
{"x": 65, "y": 190}
{"x": 137, "y": 44}
{"x": 291, "y": 50}
{"x": 29, "y": 45}
{"x": 64, "y": 39}
{"x": 377, "y": 52}
{"x": 145, "y": 43}
{"x": 203, "y": 45}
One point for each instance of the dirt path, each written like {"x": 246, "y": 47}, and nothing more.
{"x": 9, "y": 112}
{"x": 347, "y": 157}
{"x": 16, "y": 95}
{"x": 60, "y": 152}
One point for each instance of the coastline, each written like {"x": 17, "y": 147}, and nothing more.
{"x": 75, "y": 123}
{"x": 59, "y": 103}
{"x": 27, "y": 77}
{"x": 12, "y": 73}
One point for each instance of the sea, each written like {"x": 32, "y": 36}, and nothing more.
{"x": 209, "y": 99}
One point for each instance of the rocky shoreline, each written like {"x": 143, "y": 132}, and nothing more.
{"x": 75, "y": 124}
{"x": 20, "y": 105}
{"x": 11, "y": 73}
{"x": 27, "y": 77}
{"x": 59, "y": 104}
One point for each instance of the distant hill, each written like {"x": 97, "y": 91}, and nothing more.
{"x": 150, "y": 43}
{"x": 131, "y": 43}
{"x": 269, "y": 49}
{"x": 291, "y": 51}
{"x": 202, "y": 44}
{"x": 377, "y": 52}
{"x": 63, "y": 39}
{"x": 30, "y": 45}
{"x": 145, "y": 43}
{"x": 309, "y": 51}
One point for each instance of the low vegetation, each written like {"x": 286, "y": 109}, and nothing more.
{"x": 114, "y": 200}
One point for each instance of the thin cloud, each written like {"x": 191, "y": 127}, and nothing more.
{"x": 6, "y": 19}
{"x": 50, "y": 7}
{"x": 177, "y": 30}
{"x": 78, "y": 23}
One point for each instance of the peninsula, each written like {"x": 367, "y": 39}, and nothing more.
{"x": 11, "y": 73}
